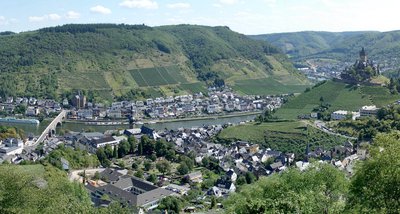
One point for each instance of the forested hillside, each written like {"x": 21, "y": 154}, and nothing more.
{"x": 134, "y": 61}
{"x": 383, "y": 47}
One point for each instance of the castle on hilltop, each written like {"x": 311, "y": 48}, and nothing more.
{"x": 362, "y": 70}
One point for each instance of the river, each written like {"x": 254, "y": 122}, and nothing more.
{"x": 71, "y": 126}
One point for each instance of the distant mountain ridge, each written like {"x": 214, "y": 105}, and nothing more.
{"x": 133, "y": 61}
{"x": 381, "y": 46}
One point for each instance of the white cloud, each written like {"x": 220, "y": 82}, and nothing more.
{"x": 38, "y": 18}
{"x": 51, "y": 16}
{"x": 3, "y": 20}
{"x": 72, "y": 15}
{"x": 146, "y": 4}
{"x": 230, "y": 2}
{"x": 180, "y": 5}
{"x": 100, "y": 9}
{"x": 54, "y": 16}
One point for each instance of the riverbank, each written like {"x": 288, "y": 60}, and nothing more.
{"x": 149, "y": 121}
{"x": 161, "y": 125}
{"x": 215, "y": 117}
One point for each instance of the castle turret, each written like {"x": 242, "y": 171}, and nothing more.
{"x": 363, "y": 55}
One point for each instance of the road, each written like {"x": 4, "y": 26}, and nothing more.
{"x": 322, "y": 126}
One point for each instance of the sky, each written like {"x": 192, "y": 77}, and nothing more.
{"x": 244, "y": 16}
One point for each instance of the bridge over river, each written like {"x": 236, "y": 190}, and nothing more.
{"x": 51, "y": 128}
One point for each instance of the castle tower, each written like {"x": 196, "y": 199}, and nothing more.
{"x": 363, "y": 55}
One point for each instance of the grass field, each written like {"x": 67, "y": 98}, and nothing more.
{"x": 266, "y": 86}
{"x": 88, "y": 80}
{"x": 194, "y": 87}
{"x": 157, "y": 76}
{"x": 380, "y": 96}
{"x": 290, "y": 136}
{"x": 253, "y": 132}
{"x": 339, "y": 95}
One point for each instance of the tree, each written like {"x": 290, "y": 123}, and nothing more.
{"x": 135, "y": 165}
{"x": 153, "y": 157}
{"x": 109, "y": 151}
{"x": 123, "y": 148}
{"x": 182, "y": 169}
{"x": 241, "y": 180}
{"x": 250, "y": 177}
{"x": 101, "y": 155}
{"x": 139, "y": 173}
{"x": 132, "y": 144}
{"x": 170, "y": 155}
{"x": 206, "y": 162}
{"x": 213, "y": 202}
{"x": 171, "y": 204}
{"x": 96, "y": 176}
{"x": 152, "y": 178}
{"x": 319, "y": 189}
{"x": 121, "y": 163}
{"x": 375, "y": 185}
{"x": 146, "y": 145}
{"x": 161, "y": 148}
{"x": 163, "y": 166}
{"x": 188, "y": 161}
{"x": 115, "y": 152}
{"x": 147, "y": 165}
{"x": 140, "y": 148}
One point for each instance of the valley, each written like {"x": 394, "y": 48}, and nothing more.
{"x": 192, "y": 118}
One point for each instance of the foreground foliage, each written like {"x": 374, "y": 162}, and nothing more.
{"x": 374, "y": 188}
{"x": 44, "y": 189}
{"x": 320, "y": 189}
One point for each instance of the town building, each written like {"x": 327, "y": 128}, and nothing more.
{"x": 367, "y": 111}
{"x": 79, "y": 101}
{"x": 339, "y": 115}
{"x": 128, "y": 190}
{"x": 11, "y": 146}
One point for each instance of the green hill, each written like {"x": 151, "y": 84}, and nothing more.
{"x": 339, "y": 96}
{"x": 135, "y": 61}
{"x": 383, "y": 47}
{"x": 290, "y": 136}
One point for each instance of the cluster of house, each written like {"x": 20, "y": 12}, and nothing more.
{"x": 343, "y": 156}
{"x": 9, "y": 148}
{"x": 365, "y": 111}
{"x": 234, "y": 160}
{"x": 178, "y": 106}
{"x": 159, "y": 108}
{"x": 33, "y": 106}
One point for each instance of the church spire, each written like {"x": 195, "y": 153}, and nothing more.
{"x": 363, "y": 55}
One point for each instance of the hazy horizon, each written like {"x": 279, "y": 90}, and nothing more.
{"x": 247, "y": 17}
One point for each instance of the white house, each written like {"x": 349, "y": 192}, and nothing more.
{"x": 11, "y": 146}
{"x": 366, "y": 111}
{"x": 231, "y": 175}
{"x": 114, "y": 113}
{"x": 212, "y": 109}
{"x": 85, "y": 113}
{"x": 32, "y": 111}
{"x": 102, "y": 142}
{"x": 339, "y": 115}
